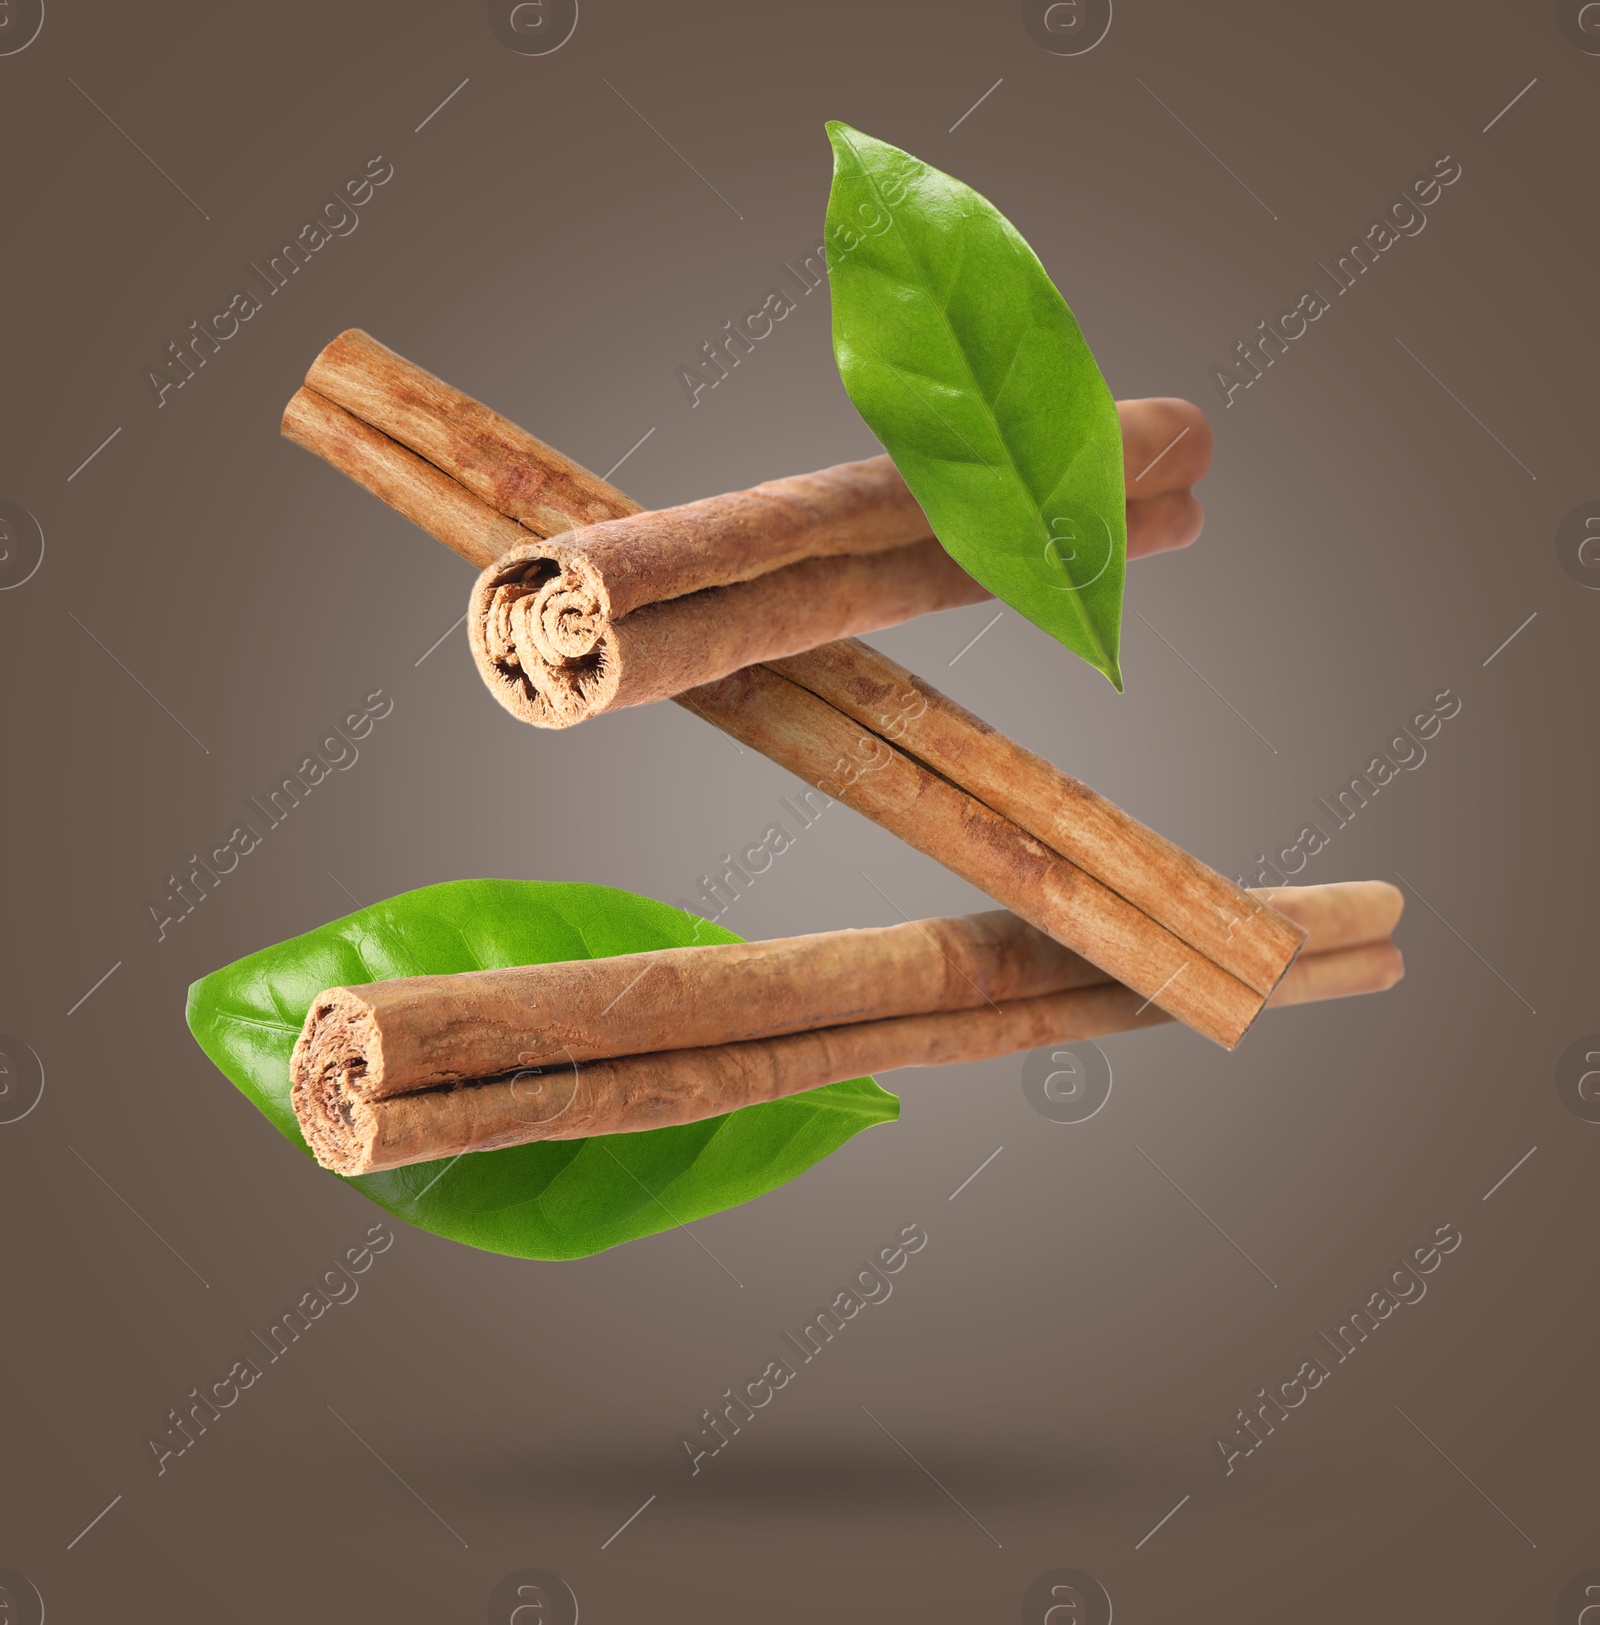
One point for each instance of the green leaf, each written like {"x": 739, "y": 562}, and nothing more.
{"x": 970, "y": 369}
{"x": 560, "y": 1198}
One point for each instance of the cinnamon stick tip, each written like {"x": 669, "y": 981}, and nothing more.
{"x": 1388, "y": 967}
{"x": 352, "y": 338}
{"x": 338, "y": 1055}
{"x": 297, "y": 415}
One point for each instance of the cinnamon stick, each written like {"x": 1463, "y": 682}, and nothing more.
{"x": 410, "y": 484}
{"x": 1212, "y": 966}
{"x": 420, "y": 1032}
{"x": 728, "y": 1026}
{"x": 502, "y": 465}
{"x": 861, "y": 768}
{"x": 1198, "y": 905}
{"x": 561, "y": 630}
{"x": 553, "y": 654}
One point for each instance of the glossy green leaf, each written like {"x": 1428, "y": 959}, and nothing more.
{"x": 560, "y": 1198}
{"x": 970, "y": 369}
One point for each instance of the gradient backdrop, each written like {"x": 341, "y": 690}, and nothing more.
{"x": 1398, "y": 496}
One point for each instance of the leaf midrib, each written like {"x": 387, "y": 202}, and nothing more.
{"x": 1084, "y": 620}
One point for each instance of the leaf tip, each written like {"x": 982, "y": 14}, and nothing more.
{"x": 839, "y": 136}
{"x": 192, "y": 1002}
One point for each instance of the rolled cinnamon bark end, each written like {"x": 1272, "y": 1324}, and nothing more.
{"x": 328, "y": 1088}
{"x": 514, "y": 658}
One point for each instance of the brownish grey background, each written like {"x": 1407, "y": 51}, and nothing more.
{"x": 1091, "y": 1309}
